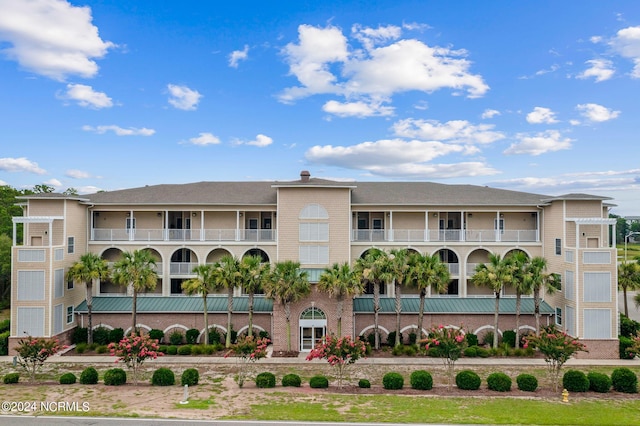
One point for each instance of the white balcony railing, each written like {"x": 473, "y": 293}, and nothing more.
{"x": 443, "y": 235}
{"x": 182, "y": 268}
{"x": 109, "y": 234}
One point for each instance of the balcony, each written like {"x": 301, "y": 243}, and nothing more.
{"x": 109, "y": 234}
{"x": 445, "y": 235}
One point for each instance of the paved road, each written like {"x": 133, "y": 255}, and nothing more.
{"x": 634, "y": 312}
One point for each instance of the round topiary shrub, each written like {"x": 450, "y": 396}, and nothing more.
{"x": 190, "y": 377}
{"x": 319, "y": 382}
{"x": 266, "y": 380}
{"x": 624, "y": 380}
{"x": 364, "y": 384}
{"x": 575, "y": 381}
{"x": 499, "y": 382}
{"x": 115, "y": 377}
{"x": 192, "y": 336}
{"x": 184, "y": 350}
{"x": 392, "y": 381}
{"x": 163, "y": 376}
{"x": 101, "y": 336}
{"x": 527, "y": 382}
{"x": 116, "y": 335}
{"x": 599, "y": 382}
{"x": 156, "y": 334}
{"x": 11, "y": 378}
{"x": 68, "y": 379}
{"x": 468, "y": 380}
{"x": 175, "y": 338}
{"x": 421, "y": 380}
{"x": 172, "y": 350}
{"x": 472, "y": 339}
{"x": 291, "y": 380}
{"x": 509, "y": 338}
{"x": 89, "y": 376}
{"x": 471, "y": 352}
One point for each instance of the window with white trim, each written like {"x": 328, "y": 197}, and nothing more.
{"x": 315, "y": 255}
{"x": 597, "y": 287}
{"x": 70, "y": 314}
{"x": 569, "y": 320}
{"x": 558, "y": 246}
{"x": 314, "y": 231}
{"x": 313, "y": 211}
{"x": 30, "y": 285}
{"x": 597, "y": 323}
{"x": 58, "y": 318}
{"x": 58, "y": 283}
{"x": 30, "y": 321}
{"x": 71, "y": 245}
{"x": 569, "y": 285}
{"x": 559, "y": 316}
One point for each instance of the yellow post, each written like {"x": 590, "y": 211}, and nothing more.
{"x": 565, "y": 395}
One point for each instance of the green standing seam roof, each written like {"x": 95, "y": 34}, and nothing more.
{"x": 472, "y": 305}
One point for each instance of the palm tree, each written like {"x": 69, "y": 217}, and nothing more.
{"x": 398, "y": 268}
{"x": 205, "y": 282}
{"x": 424, "y": 272}
{"x": 341, "y": 282}
{"x": 252, "y": 275}
{"x": 88, "y": 269}
{"x": 229, "y": 275}
{"x": 286, "y": 284}
{"x": 540, "y": 280}
{"x": 519, "y": 262}
{"x": 372, "y": 269}
{"x": 628, "y": 279}
{"x": 136, "y": 270}
{"x": 494, "y": 275}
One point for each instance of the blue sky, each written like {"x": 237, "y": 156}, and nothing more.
{"x": 535, "y": 96}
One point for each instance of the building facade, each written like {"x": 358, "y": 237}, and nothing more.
{"x": 318, "y": 223}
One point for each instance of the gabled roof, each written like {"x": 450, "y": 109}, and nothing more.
{"x": 451, "y": 305}
{"x": 578, "y": 197}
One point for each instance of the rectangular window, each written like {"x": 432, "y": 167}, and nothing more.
{"x": 569, "y": 320}
{"x": 30, "y": 322}
{"x": 69, "y": 314}
{"x": 315, "y": 255}
{"x": 28, "y": 255}
{"x": 597, "y": 257}
{"x": 559, "y": 316}
{"x": 58, "y": 283}
{"x": 498, "y": 224}
{"x": 597, "y": 323}
{"x": 58, "y": 254}
{"x": 597, "y": 287}
{"x": 71, "y": 245}
{"x": 568, "y": 256}
{"x": 314, "y": 232}
{"x": 58, "y": 318}
{"x": 558, "y": 246}
{"x": 30, "y": 285}
{"x": 569, "y": 288}
{"x": 69, "y": 284}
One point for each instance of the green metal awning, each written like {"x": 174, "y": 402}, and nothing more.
{"x": 160, "y": 304}
{"x": 451, "y": 305}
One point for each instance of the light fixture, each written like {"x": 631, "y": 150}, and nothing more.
{"x": 501, "y": 214}
{"x": 128, "y": 214}
{"x": 159, "y": 214}
{"x": 194, "y": 214}
{"x": 470, "y": 215}
{"x": 435, "y": 215}
{"x": 240, "y": 214}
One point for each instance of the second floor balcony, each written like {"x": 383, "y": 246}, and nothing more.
{"x": 445, "y": 235}
{"x": 127, "y": 234}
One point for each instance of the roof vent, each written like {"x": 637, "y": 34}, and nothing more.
{"x": 304, "y": 176}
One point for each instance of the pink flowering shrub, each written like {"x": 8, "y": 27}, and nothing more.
{"x": 247, "y": 350}
{"x": 448, "y": 343}
{"x": 339, "y": 352}
{"x": 33, "y": 352}
{"x": 557, "y": 347}
{"x": 134, "y": 350}
{"x": 634, "y": 350}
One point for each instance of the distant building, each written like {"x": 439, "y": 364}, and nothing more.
{"x": 317, "y": 223}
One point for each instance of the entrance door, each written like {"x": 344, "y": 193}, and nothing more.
{"x": 313, "y": 328}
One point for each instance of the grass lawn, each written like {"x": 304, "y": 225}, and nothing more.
{"x": 633, "y": 250}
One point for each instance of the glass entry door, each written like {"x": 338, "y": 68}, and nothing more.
{"x": 313, "y": 328}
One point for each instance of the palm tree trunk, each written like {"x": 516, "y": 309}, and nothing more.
{"x": 339, "y": 315}
{"x": 376, "y": 310}
{"x": 134, "y": 309}
{"x": 229, "y": 312}
{"x": 536, "y": 309}
{"x": 206, "y": 319}
{"x": 495, "y": 320}
{"x": 423, "y": 294}
{"x": 89, "y": 287}
{"x": 626, "y": 308}
{"x": 518, "y": 302}
{"x": 398, "y": 311}
{"x": 287, "y": 315}
{"x": 250, "y": 328}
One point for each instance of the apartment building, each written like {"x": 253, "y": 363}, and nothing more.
{"x": 315, "y": 222}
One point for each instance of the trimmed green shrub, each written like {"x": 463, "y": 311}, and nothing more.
{"x": 433, "y": 352}
{"x": 115, "y": 377}
{"x": 172, "y": 350}
{"x": 487, "y": 338}
{"x": 364, "y": 384}
{"x": 413, "y": 338}
{"x": 263, "y": 334}
{"x": 468, "y": 380}
{"x": 397, "y": 350}
{"x": 163, "y": 376}
{"x": 483, "y": 352}
{"x": 291, "y": 380}
{"x": 471, "y": 352}
{"x": 10, "y": 378}
{"x": 81, "y": 348}
{"x": 192, "y": 336}
{"x": 197, "y": 349}
{"x": 4, "y": 342}
{"x": 527, "y": 382}
{"x": 101, "y": 336}
{"x": 190, "y": 377}
{"x": 392, "y": 381}
{"x": 176, "y": 337}
{"x": 154, "y": 333}
{"x": 79, "y": 335}
{"x": 184, "y": 350}
{"x": 266, "y": 380}
{"x": 599, "y": 382}
{"x": 624, "y": 380}
{"x": 116, "y": 335}
{"x": 391, "y": 338}
{"x": 102, "y": 349}
{"x": 89, "y": 376}
{"x": 623, "y": 344}
{"x": 509, "y": 338}
{"x": 575, "y": 381}
{"x": 163, "y": 348}
{"x": 214, "y": 336}
{"x": 499, "y": 382}
{"x": 628, "y": 327}
{"x": 68, "y": 379}
{"x": 319, "y": 382}
{"x": 472, "y": 339}
{"x": 421, "y": 380}
{"x": 409, "y": 350}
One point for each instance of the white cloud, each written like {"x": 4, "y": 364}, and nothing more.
{"x": 323, "y": 63}
{"x": 119, "y": 131}
{"x": 597, "y": 113}
{"x": 21, "y": 164}
{"x": 541, "y": 115}
{"x": 357, "y": 109}
{"x": 85, "y": 96}
{"x": 182, "y": 97}
{"x": 458, "y": 131}
{"x": 88, "y": 189}
{"x": 627, "y": 44}
{"x": 53, "y": 182}
{"x": 260, "y": 141}
{"x": 600, "y": 69}
{"x": 204, "y": 139}
{"x": 77, "y": 174}
{"x": 238, "y": 55}
{"x": 490, "y": 113}
{"x": 549, "y": 141}
{"x": 51, "y": 37}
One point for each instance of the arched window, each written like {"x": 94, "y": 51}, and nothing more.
{"x": 313, "y": 211}
{"x": 313, "y": 314}
{"x": 313, "y": 328}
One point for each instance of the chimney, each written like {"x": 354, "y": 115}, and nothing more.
{"x": 304, "y": 176}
